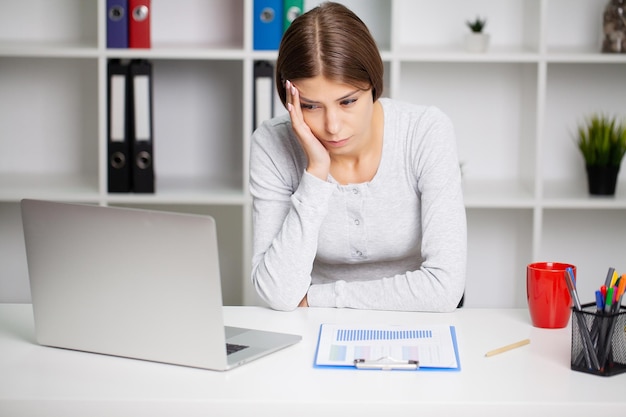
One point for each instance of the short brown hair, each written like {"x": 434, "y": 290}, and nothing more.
{"x": 332, "y": 41}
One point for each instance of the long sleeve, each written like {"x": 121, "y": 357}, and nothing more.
{"x": 397, "y": 242}
{"x": 417, "y": 207}
{"x": 289, "y": 206}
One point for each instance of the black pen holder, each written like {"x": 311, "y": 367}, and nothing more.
{"x": 598, "y": 341}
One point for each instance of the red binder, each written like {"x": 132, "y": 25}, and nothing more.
{"x": 139, "y": 23}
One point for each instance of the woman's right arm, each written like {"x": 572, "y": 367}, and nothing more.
{"x": 289, "y": 206}
{"x": 290, "y": 200}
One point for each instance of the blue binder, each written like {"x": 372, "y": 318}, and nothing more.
{"x": 117, "y": 23}
{"x": 268, "y": 24}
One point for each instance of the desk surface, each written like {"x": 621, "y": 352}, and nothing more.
{"x": 532, "y": 380}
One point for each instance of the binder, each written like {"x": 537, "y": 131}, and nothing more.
{"x": 117, "y": 24}
{"x": 141, "y": 126}
{"x": 263, "y": 92}
{"x": 139, "y": 35}
{"x": 268, "y": 24}
{"x": 119, "y": 161}
{"x": 291, "y": 10}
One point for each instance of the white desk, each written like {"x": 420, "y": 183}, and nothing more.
{"x": 532, "y": 380}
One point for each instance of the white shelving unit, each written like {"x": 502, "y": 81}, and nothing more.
{"x": 514, "y": 109}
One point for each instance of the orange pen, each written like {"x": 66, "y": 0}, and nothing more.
{"x": 620, "y": 289}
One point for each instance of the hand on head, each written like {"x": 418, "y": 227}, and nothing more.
{"x": 317, "y": 155}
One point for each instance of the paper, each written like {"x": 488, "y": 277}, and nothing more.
{"x": 432, "y": 346}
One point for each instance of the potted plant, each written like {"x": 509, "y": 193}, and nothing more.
{"x": 476, "y": 40}
{"x": 602, "y": 142}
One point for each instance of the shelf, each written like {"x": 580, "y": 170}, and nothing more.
{"x": 573, "y": 24}
{"x": 186, "y": 52}
{"x": 513, "y": 109}
{"x": 58, "y": 187}
{"x": 210, "y": 24}
{"x": 49, "y": 110}
{"x": 198, "y": 144}
{"x": 582, "y": 55}
{"x": 504, "y": 54}
{"x": 187, "y": 191}
{"x": 498, "y": 194}
{"x": 48, "y": 50}
{"x": 61, "y": 25}
{"x": 494, "y": 117}
{"x": 574, "y": 195}
{"x": 511, "y": 24}
{"x": 456, "y": 53}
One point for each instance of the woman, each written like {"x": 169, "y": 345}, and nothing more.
{"x": 357, "y": 200}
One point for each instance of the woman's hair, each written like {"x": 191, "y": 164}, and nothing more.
{"x": 330, "y": 40}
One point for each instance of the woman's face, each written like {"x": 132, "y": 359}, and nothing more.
{"x": 339, "y": 115}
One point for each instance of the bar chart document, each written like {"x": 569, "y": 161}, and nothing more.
{"x": 427, "y": 347}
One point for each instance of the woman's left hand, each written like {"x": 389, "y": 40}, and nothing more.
{"x": 304, "y": 302}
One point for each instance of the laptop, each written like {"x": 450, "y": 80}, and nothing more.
{"x": 133, "y": 283}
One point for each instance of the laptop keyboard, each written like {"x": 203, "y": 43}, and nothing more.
{"x": 232, "y": 348}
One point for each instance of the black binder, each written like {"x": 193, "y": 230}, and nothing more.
{"x": 119, "y": 158}
{"x": 141, "y": 125}
{"x": 263, "y": 92}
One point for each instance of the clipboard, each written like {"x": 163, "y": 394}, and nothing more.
{"x": 387, "y": 347}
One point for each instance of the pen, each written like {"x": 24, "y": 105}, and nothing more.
{"x": 599, "y": 301}
{"x": 604, "y": 342}
{"x": 590, "y": 355}
{"x": 608, "y": 303}
{"x": 622, "y": 285}
{"x": 569, "y": 279}
{"x": 614, "y": 295}
{"x": 507, "y": 347}
{"x": 620, "y": 293}
{"x": 609, "y": 276}
{"x": 597, "y": 325}
{"x": 608, "y": 336}
{"x": 613, "y": 279}
{"x": 597, "y": 329}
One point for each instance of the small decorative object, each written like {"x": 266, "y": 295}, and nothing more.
{"x": 614, "y": 27}
{"x": 602, "y": 142}
{"x": 476, "y": 41}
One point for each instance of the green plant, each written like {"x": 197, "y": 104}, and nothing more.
{"x": 476, "y": 25}
{"x": 602, "y": 140}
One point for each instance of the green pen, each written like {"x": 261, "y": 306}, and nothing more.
{"x": 608, "y": 303}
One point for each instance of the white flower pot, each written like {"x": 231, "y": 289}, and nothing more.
{"x": 476, "y": 42}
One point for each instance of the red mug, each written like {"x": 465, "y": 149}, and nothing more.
{"x": 549, "y": 300}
